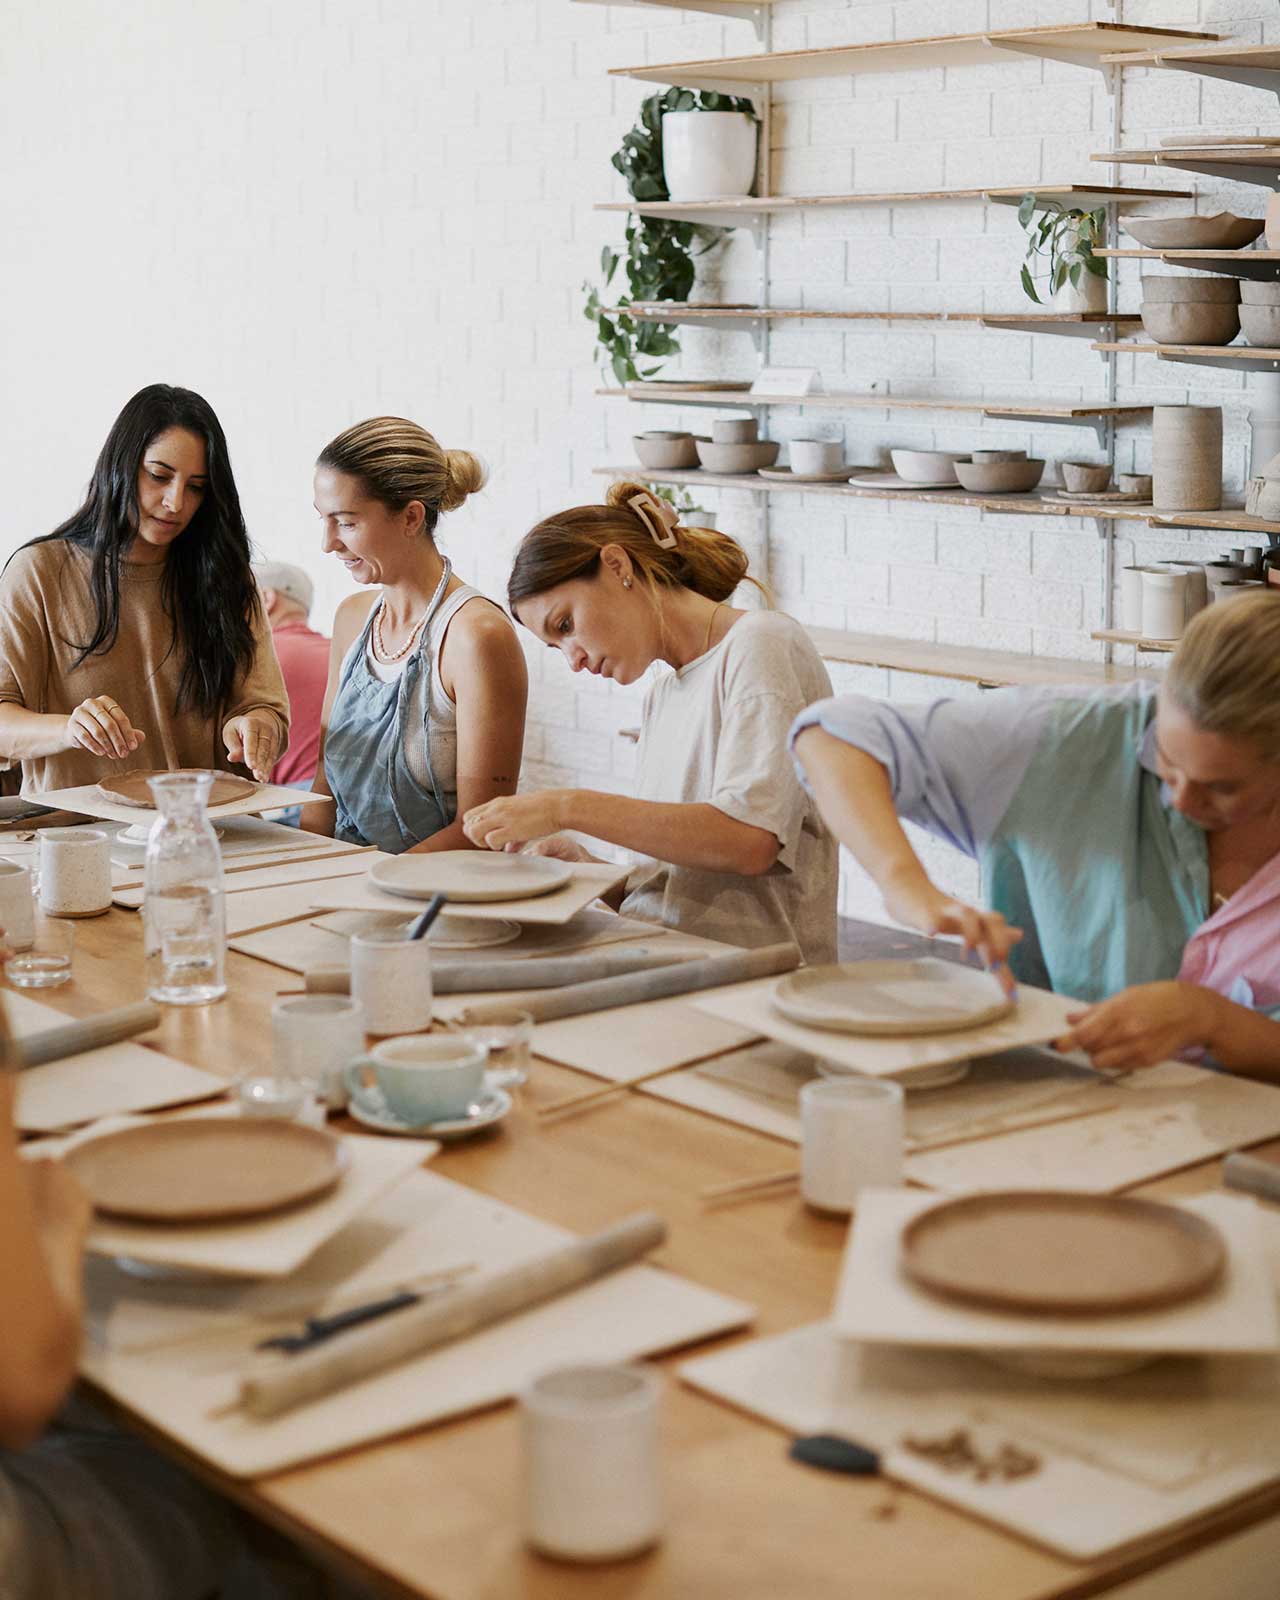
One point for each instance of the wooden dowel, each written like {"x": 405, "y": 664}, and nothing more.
{"x": 590, "y": 1097}
{"x": 88, "y": 1033}
{"x": 745, "y": 1186}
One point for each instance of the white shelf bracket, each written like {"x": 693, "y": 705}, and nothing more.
{"x": 1252, "y": 77}
{"x": 1073, "y": 58}
{"x": 1234, "y": 172}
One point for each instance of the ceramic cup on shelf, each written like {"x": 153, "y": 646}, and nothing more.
{"x": 1197, "y": 591}
{"x": 735, "y": 430}
{"x": 17, "y": 914}
{"x": 592, "y": 1487}
{"x": 423, "y": 1077}
{"x": 1164, "y": 603}
{"x": 1134, "y": 483}
{"x": 391, "y": 978}
{"x": 811, "y": 457}
{"x": 852, "y": 1132}
{"x": 313, "y": 1038}
{"x": 75, "y": 872}
{"x": 1131, "y": 599}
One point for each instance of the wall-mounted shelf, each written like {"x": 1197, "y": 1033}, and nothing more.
{"x": 1232, "y": 357}
{"x": 751, "y": 10}
{"x": 1262, "y": 264}
{"x": 1257, "y": 65}
{"x": 735, "y": 212}
{"x": 1084, "y": 44}
{"x": 1075, "y": 324}
{"x": 1119, "y": 636}
{"x": 1096, "y": 417}
{"x": 990, "y": 669}
{"x": 1240, "y": 165}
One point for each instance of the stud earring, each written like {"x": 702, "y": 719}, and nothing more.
{"x": 626, "y": 583}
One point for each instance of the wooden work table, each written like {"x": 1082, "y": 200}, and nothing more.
{"x": 436, "y": 1513}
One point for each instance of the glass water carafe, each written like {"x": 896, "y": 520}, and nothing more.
{"x": 184, "y": 910}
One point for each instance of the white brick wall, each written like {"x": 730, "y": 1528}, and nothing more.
{"x": 313, "y": 213}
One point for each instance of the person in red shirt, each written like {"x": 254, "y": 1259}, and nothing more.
{"x": 287, "y": 593}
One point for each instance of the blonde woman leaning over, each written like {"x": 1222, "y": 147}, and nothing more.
{"x": 1129, "y": 840}
{"x": 730, "y": 847}
{"x": 424, "y": 709}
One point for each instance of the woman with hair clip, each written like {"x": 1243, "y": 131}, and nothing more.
{"x": 132, "y": 636}
{"x": 1129, "y": 840}
{"x": 424, "y": 709}
{"x": 729, "y": 845}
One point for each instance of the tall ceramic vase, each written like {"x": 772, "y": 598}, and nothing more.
{"x": 707, "y": 155}
{"x": 1186, "y": 458}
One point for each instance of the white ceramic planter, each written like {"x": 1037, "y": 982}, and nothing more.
{"x": 707, "y": 155}
{"x": 1091, "y": 295}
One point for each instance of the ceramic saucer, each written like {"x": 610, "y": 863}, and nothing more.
{"x": 891, "y": 480}
{"x": 787, "y": 475}
{"x": 489, "y": 1107}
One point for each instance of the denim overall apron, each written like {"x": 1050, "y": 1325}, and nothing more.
{"x": 379, "y": 800}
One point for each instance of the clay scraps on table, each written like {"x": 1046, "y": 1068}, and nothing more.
{"x": 957, "y": 1452}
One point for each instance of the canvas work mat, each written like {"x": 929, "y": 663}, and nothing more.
{"x": 1038, "y": 1017}
{"x": 589, "y": 881}
{"x": 110, "y": 1081}
{"x": 262, "y": 1247}
{"x": 89, "y": 803}
{"x": 1116, "y": 1461}
{"x": 428, "y": 1222}
{"x": 244, "y": 878}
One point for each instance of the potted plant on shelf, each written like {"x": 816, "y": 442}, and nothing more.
{"x": 708, "y": 145}
{"x": 1063, "y": 237}
{"x": 692, "y": 515}
{"x": 660, "y": 254}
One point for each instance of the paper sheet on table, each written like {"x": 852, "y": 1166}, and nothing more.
{"x": 109, "y": 1081}
{"x": 1119, "y": 1460}
{"x": 88, "y": 802}
{"x": 316, "y": 867}
{"x": 628, "y": 1314}
{"x": 262, "y": 1247}
{"x": 237, "y": 837}
{"x": 589, "y": 881}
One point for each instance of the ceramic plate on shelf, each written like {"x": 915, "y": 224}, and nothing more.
{"x": 891, "y": 998}
{"x": 130, "y": 788}
{"x": 786, "y": 475}
{"x": 206, "y": 1169}
{"x": 1062, "y": 1254}
{"x": 475, "y": 875}
{"x": 489, "y": 1106}
{"x": 1103, "y": 497}
{"x": 891, "y": 480}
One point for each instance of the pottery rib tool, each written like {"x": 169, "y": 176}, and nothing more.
{"x": 273, "y": 1385}
{"x": 88, "y": 1033}
{"x": 603, "y": 994}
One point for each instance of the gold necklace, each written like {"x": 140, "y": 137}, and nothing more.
{"x": 711, "y": 622}
{"x": 380, "y": 650}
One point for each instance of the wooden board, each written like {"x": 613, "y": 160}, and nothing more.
{"x": 245, "y": 878}
{"x": 1031, "y": 409}
{"x": 1082, "y": 195}
{"x": 623, "y": 1316}
{"x": 993, "y": 668}
{"x": 588, "y": 883}
{"x": 680, "y": 312}
{"x": 87, "y": 801}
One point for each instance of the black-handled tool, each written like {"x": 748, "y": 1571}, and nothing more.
{"x": 317, "y": 1329}
{"x": 422, "y": 926}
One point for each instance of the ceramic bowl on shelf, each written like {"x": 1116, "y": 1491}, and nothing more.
{"x": 926, "y": 466}
{"x": 661, "y": 451}
{"x": 1222, "y": 231}
{"x": 1186, "y": 310}
{"x": 735, "y": 430}
{"x": 734, "y": 458}
{"x": 986, "y": 457}
{"x": 1260, "y": 313}
{"x": 1000, "y": 477}
{"x": 1134, "y": 483}
{"x": 1084, "y": 477}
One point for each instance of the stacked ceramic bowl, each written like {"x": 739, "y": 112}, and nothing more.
{"x": 1260, "y": 313}
{"x": 661, "y": 449}
{"x": 1000, "y": 472}
{"x": 1222, "y": 231}
{"x": 1190, "y": 310}
{"x": 928, "y": 468}
{"x": 735, "y": 447}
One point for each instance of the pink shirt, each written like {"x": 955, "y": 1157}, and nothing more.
{"x": 304, "y": 660}
{"x": 1237, "y": 951}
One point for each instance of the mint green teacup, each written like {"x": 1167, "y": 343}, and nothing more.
{"x": 423, "y": 1077}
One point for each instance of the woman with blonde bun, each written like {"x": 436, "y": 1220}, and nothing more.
{"x": 728, "y": 844}
{"x": 424, "y": 709}
{"x": 1129, "y": 839}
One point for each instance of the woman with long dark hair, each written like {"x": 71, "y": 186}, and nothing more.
{"x": 133, "y": 635}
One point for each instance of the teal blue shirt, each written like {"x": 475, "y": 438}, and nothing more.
{"x": 1054, "y": 792}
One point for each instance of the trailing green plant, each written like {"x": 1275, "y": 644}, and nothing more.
{"x": 1064, "y": 237}
{"x": 681, "y": 500}
{"x": 659, "y": 256}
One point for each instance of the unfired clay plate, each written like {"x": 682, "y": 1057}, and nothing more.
{"x": 891, "y": 998}
{"x": 476, "y": 875}
{"x": 130, "y": 788}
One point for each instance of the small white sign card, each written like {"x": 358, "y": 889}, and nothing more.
{"x": 787, "y": 381}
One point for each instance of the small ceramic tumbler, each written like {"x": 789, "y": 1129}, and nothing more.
{"x": 852, "y": 1130}
{"x": 75, "y": 872}
{"x": 592, "y": 1485}
{"x": 391, "y": 978}
{"x": 17, "y": 914}
{"x": 313, "y": 1038}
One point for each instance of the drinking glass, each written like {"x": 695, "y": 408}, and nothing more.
{"x": 506, "y": 1037}
{"x": 47, "y": 960}
{"x": 852, "y": 1130}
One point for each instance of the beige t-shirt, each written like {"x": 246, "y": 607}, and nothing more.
{"x": 46, "y": 610}
{"x": 715, "y": 732}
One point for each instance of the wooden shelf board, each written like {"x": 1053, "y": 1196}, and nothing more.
{"x": 1260, "y": 265}
{"x": 1228, "y": 519}
{"x": 881, "y": 402}
{"x": 1092, "y": 41}
{"x": 993, "y": 668}
{"x": 746, "y": 206}
{"x": 1222, "y": 155}
{"x": 1242, "y": 357}
{"x": 1152, "y": 646}
{"x": 717, "y": 8}
{"x": 1258, "y": 57}
{"x": 748, "y": 314}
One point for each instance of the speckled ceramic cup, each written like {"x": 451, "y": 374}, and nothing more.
{"x": 75, "y": 872}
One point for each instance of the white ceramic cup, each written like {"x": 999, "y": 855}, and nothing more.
{"x": 391, "y": 978}
{"x": 75, "y": 872}
{"x": 1164, "y": 603}
{"x": 852, "y": 1131}
{"x": 1197, "y": 594}
{"x": 17, "y": 914}
{"x": 313, "y": 1037}
{"x": 423, "y": 1078}
{"x": 1131, "y": 599}
{"x": 809, "y": 457}
{"x": 591, "y": 1472}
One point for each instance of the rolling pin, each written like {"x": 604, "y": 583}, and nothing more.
{"x": 1253, "y": 1174}
{"x": 89, "y": 1033}
{"x": 272, "y": 1385}
{"x": 482, "y": 977}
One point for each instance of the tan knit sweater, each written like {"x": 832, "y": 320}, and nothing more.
{"x": 46, "y": 610}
